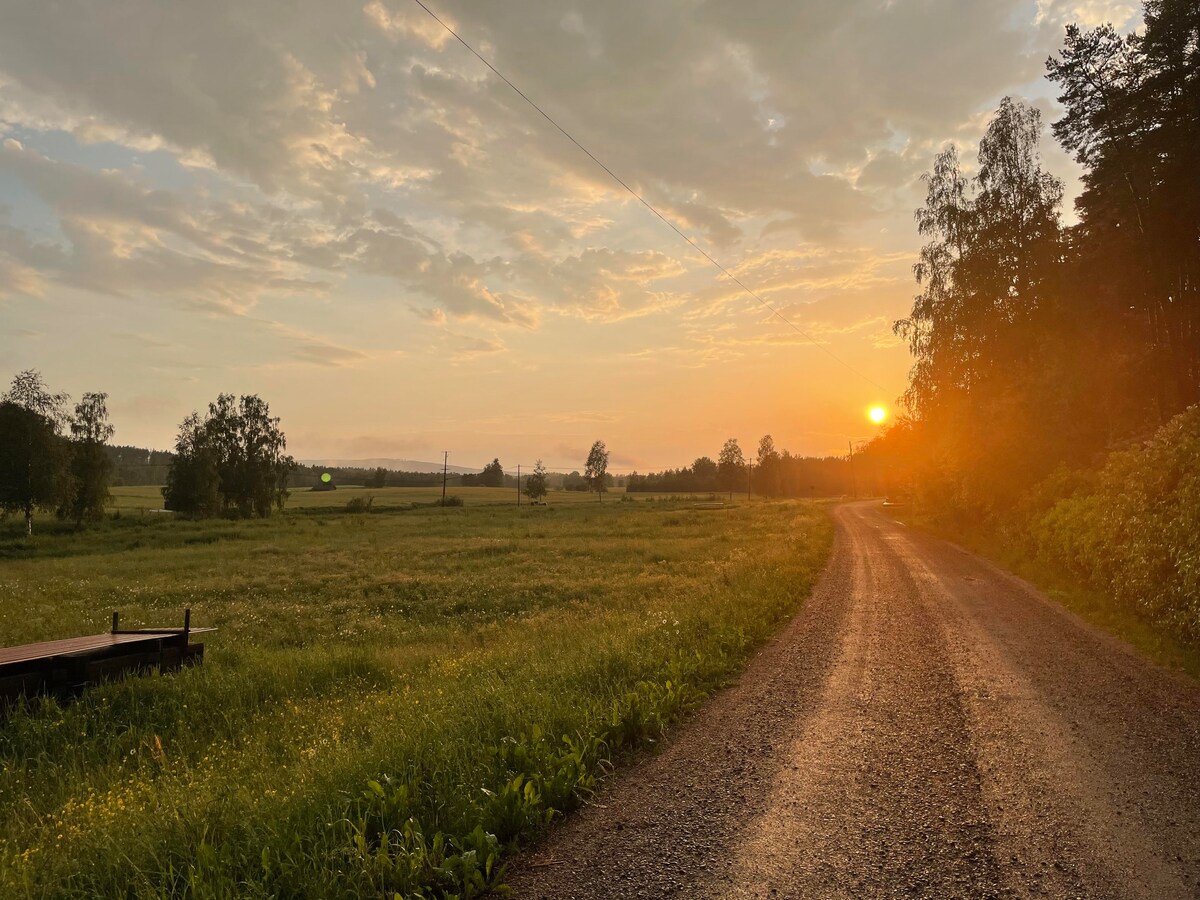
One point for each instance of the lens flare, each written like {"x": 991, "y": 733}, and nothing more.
{"x": 326, "y": 477}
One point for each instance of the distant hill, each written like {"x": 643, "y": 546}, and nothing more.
{"x": 394, "y": 465}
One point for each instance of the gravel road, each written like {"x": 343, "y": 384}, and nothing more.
{"x": 927, "y": 726}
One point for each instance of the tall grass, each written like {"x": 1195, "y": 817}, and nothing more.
{"x": 392, "y": 703}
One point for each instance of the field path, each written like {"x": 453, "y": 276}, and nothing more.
{"x": 927, "y": 726}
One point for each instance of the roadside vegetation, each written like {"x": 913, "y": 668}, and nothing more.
{"x": 1119, "y": 545}
{"x": 1129, "y": 532}
{"x": 392, "y": 702}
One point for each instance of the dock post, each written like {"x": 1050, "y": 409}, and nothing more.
{"x": 116, "y": 621}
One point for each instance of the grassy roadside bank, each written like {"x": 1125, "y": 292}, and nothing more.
{"x": 1091, "y": 605}
{"x": 392, "y": 703}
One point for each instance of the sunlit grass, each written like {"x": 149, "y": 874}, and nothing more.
{"x": 132, "y": 499}
{"x": 146, "y": 499}
{"x": 435, "y": 654}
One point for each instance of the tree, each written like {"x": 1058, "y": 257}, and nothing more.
{"x": 767, "y": 478}
{"x": 704, "y": 474}
{"x": 1132, "y": 119}
{"x": 596, "y": 471}
{"x": 730, "y": 465}
{"x": 34, "y": 463}
{"x": 535, "y": 483}
{"x": 492, "y": 475}
{"x": 241, "y": 442}
{"x": 29, "y": 391}
{"x": 979, "y": 330}
{"x": 193, "y": 481}
{"x": 377, "y": 478}
{"x": 91, "y": 465}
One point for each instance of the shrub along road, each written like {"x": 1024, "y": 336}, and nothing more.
{"x": 927, "y": 726}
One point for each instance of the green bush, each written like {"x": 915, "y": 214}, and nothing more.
{"x": 1134, "y": 531}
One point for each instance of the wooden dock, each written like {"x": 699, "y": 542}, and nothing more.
{"x": 65, "y": 667}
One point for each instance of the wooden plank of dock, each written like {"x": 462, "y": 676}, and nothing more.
{"x": 69, "y": 646}
{"x": 65, "y": 666}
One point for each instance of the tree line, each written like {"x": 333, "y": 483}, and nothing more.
{"x": 55, "y": 457}
{"x": 1039, "y": 345}
{"x": 537, "y": 483}
{"x": 769, "y": 473}
{"x": 230, "y": 460}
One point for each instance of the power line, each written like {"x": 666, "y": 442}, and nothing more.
{"x": 646, "y": 203}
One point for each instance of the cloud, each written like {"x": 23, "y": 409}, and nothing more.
{"x": 1088, "y": 13}
{"x": 266, "y": 162}
{"x": 327, "y": 354}
{"x": 367, "y": 445}
{"x": 707, "y": 110}
{"x": 121, "y": 237}
{"x": 578, "y": 417}
{"x": 572, "y": 451}
{"x": 603, "y": 283}
{"x": 470, "y": 348}
{"x": 16, "y": 278}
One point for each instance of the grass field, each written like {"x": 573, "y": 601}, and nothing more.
{"x": 147, "y": 498}
{"x": 132, "y": 499}
{"x": 393, "y": 702}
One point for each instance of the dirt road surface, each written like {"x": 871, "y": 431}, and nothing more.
{"x": 927, "y": 726}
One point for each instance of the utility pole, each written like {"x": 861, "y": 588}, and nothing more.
{"x": 445, "y": 466}
{"x": 518, "y": 484}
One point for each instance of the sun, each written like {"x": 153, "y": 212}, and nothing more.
{"x": 877, "y": 414}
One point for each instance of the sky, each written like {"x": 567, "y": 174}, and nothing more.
{"x": 336, "y": 206}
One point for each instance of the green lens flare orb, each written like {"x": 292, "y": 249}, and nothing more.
{"x": 326, "y": 477}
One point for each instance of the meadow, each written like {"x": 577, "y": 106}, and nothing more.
{"x": 393, "y": 703}
{"x": 145, "y": 498}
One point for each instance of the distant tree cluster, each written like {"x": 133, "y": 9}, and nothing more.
{"x": 138, "y": 465}
{"x": 231, "y": 460}
{"x": 1038, "y": 345}
{"x": 53, "y": 458}
{"x": 491, "y": 476}
{"x": 596, "y": 469}
{"x": 536, "y": 484}
{"x": 775, "y": 474}
{"x": 378, "y": 477}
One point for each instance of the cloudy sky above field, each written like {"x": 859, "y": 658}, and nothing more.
{"x": 335, "y": 205}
